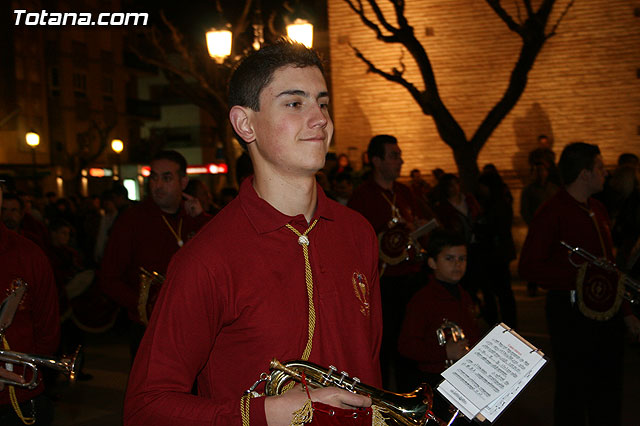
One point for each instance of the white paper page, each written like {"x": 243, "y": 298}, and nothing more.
{"x": 490, "y": 370}
{"x": 493, "y": 410}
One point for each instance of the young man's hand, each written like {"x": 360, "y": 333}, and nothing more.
{"x": 6, "y": 374}
{"x": 279, "y": 409}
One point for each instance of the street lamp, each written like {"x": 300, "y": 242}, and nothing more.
{"x": 219, "y": 41}
{"x": 33, "y": 140}
{"x": 301, "y": 31}
{"x": 117, "y": 146}
{"x": 219, "y": 44}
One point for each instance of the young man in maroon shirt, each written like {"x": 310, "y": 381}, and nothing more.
{"x": 282, "y": 271}
{"x": 587, "y": 345}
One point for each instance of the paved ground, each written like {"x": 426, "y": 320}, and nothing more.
{"x": 98, "y": 402}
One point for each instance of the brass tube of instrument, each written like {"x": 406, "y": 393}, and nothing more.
{"x": 69, "y": 366}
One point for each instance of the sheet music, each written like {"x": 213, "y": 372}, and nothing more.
{"x": 490, "y": 376}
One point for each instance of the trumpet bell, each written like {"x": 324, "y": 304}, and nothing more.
{"x": 67, "y": 365}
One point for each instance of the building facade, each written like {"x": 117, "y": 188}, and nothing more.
{"x": 584, "y": 86}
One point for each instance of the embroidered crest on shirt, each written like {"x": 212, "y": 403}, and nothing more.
{"x": 361, "y": 288}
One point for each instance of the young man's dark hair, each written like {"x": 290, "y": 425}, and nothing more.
{"x": 441, "y": 238}
{"x": 376, "y": 145}
{"x": 173, "y": 156}
{"x": 628, "y": 158}
{"x": 256, "y": 71}
{"x": 576, "y": 157}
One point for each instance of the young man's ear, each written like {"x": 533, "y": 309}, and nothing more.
{"x": 432, "y": 263}
{"x": 184, "y": 180}
{"x": 241, "y": 122}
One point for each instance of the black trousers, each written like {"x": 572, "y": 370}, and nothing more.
{"x": 588, "y": 355}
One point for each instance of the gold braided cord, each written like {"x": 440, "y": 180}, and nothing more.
{"x": 244, "y": 409}
{"x": 12, "y": 395}
{"x": 308, "y": 277}
{"x": 305, "y": 414}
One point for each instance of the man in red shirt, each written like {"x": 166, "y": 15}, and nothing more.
{"x": 36, "y": 325}
{"x": 390, "y": 206}
{"x": 148, "y": 234}
{"x": 587, "y": 346}
{"x": 282, "y": 271}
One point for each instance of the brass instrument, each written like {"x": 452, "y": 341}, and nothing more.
{"x": 632, "y": 287}
{"x": 408, "y": 409}
{"x": 449, "y": 331}
{"x": 150, "y": 283}
{"x": 397, "y": 244}
{"x": 69, "y": 366}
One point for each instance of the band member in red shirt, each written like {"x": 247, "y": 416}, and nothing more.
{"x": 148, "y": 234}
{"x": 282, "y": 271}
{"x": 35, "y": 328}
{"x": 587, "y": 344}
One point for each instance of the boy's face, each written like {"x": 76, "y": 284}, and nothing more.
{"x": 450, "y": 264}
{"x": 292, "y": 131}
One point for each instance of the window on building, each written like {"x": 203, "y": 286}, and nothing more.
{"x": 80, "y": 54}
{"x": 80, "y": 85}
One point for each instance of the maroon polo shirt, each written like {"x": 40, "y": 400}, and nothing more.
{"x": 141, "y": 238}
{"x": 235, "y": 297}
{"x": 36, "y": 325}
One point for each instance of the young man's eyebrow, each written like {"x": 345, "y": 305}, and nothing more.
{"x": 298, "y": 92}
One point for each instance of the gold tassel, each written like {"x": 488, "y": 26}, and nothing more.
{"x": 303, "y": 415}
{"x": 378, "y": 416}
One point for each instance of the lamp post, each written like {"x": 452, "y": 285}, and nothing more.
{"x": 33, "y": 140}
{"x": 219, "y": 40}
{"x": 301, "y": 31}
{"x": 117, "y": 146}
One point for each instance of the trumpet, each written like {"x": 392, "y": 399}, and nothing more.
{"x": 68, "y": 365}
{"x": 632, "y": 287}
{"x": 408, "y": 409}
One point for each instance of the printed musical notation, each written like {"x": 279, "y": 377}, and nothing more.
{"x": 485, "y": 381}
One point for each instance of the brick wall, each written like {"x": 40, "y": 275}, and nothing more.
{"x": 584, "y": 85}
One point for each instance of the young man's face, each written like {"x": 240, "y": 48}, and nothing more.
{"x": 166, "y": 185}
{"x": 450, "y": 264}
{"x": 293, "y": 129}
{"x": 596, "y": 175}
{"x": 390, "y": 166}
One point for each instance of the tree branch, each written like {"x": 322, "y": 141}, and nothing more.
{"x": 562, "y": 15}
{"x": 367, "y": 22}
{"x": 506, "y": 18}
{"x": 395, "y": 77}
